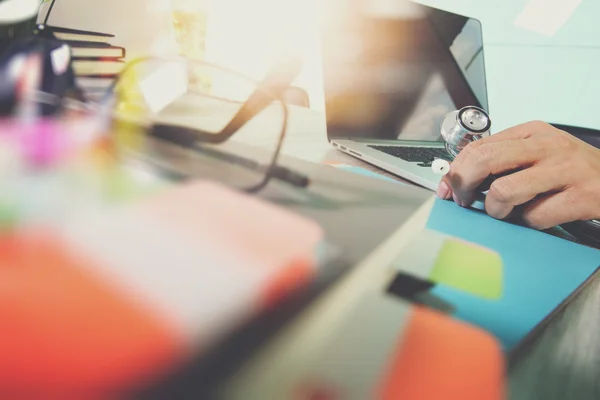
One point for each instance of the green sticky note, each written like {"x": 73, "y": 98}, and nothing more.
{"x": 469, "y": 267}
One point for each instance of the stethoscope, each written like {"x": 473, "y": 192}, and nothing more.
{"x": 464, "y": 126}
{"x": 458, "y": 129}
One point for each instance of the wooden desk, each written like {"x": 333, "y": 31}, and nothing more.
{"x": 562, "y": 363}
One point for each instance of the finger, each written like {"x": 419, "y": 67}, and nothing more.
{"x": 487, "y": 183}
{"x": 518, "y": 132}
{"x": 443, "y": 191}
{"x": 475, "y": 164}
{"x": 551, "y": 210}
{"x": 518, "y": 188}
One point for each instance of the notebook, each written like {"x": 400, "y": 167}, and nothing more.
{"x": 86, "y": 50}
{"x": 86, "y": 36}
{"x": 100, "y": 67}
{"x": 142, "y": 27}
{"x": 539, "y": 272}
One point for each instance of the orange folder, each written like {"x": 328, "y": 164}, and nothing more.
{"x": 387, "y": 349}
{"x": 440, "y": 358}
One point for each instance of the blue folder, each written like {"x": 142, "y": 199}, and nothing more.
{"x": 540, "y": 272}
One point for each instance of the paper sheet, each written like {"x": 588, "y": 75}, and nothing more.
{"x": 546, "y": 17}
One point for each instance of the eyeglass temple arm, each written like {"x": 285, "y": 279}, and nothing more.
{"x": 188, "y": 138}
{"x": 272, "y": 86}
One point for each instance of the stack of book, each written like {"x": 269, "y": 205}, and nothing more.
{"x": 95, "y": 61}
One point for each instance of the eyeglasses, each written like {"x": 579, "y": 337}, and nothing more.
{"x": 197, "y": 119}
{"x": 191, "y": 119}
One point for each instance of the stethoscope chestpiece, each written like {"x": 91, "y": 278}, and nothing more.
{"x": 461, "y": 127}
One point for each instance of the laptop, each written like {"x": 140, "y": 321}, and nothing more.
{"x": 392, "y": 71}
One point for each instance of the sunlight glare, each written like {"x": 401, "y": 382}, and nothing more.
{"x": 252, "y": 36}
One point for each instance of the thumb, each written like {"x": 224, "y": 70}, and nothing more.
{"x": 444, "y": 191}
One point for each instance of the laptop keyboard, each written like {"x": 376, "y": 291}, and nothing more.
{"x": 424, "y": 155}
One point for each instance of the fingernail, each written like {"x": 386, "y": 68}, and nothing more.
{"x": 457, "y": 200}
{"x": 443, "y": 190}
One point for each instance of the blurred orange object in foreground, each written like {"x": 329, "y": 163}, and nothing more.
{"x": 440, "y": 358}
{"x": 64, "y": 331}
{"x": 118, "y": 296}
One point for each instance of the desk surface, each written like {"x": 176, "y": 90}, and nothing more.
{"x": 551, "y": 78}
{"x": 563, "y": 362}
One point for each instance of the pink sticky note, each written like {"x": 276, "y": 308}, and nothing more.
{"x": 201, "y": 255}
{"x": 266, "y": 238}
{"x": 265, "y": 233}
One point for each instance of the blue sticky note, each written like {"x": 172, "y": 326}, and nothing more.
{"x": 540, "y": 272}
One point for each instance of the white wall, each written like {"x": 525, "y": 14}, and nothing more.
{"x": 252, "y": 36}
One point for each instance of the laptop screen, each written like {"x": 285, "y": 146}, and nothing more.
{"x": 394, "y": 68}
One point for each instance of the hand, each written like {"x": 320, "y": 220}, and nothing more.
{"x": 549, "y": 176}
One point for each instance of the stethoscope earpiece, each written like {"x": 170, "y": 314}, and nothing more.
{"x": 440, "y": 167}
